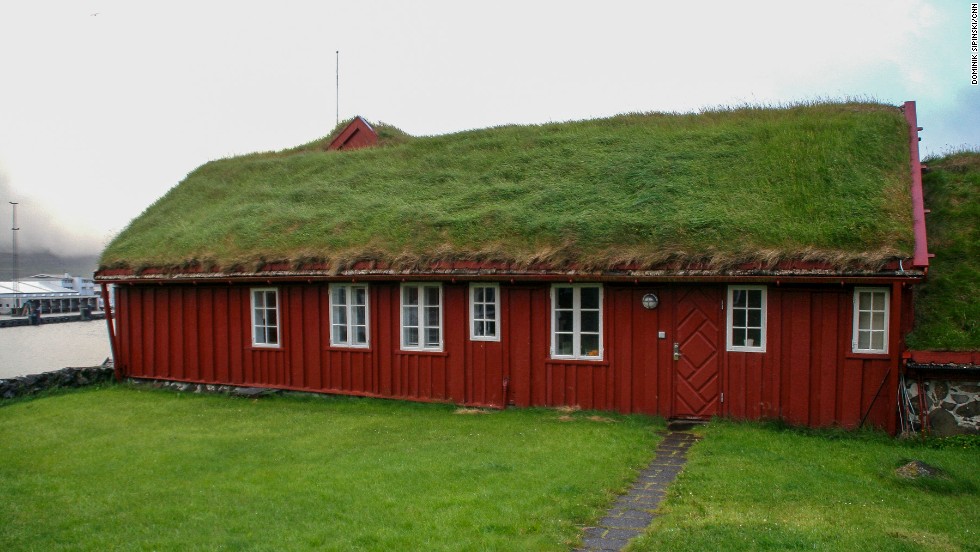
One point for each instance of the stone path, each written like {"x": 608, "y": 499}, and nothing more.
{"x": 632, "y": 512}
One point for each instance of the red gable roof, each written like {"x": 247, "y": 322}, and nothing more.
{"x": 358, "y": 134}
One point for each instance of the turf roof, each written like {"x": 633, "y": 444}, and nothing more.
{"x": 824, "y": 182}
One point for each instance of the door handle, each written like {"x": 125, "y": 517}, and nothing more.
{"x": 677, "y": 351}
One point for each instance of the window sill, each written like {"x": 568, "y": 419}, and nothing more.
{"x": 867, "y": 356}
{"x": 342, "y": 348}
{"x": 745, "y": 350}
{"x": 421, "y": 352}
{"x": 278, "y": 349}
{"x": 577, "y": 361}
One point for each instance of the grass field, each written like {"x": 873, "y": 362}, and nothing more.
{"x": 125, "y": 469}
{"x": 763, "y": 487}
{"x": 947, "y": 309}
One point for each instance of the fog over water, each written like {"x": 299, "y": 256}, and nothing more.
{"x": 35, "y": 349}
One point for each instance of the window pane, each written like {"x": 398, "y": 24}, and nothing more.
{"x": 411, "y": 315}
{"x": 738, "y": 337}
{"x": 478, "y": 312}
{"x": 565, "y": 297}
{"x": 270, "y": 317}
{"x": 479, "y": 329}
{"x": 738, "y": 318}
{"x": 490, "y": 294}
{"x": 340, "y": 334}
{"x": 491, "y": 329}
{"x": 864, "y": 301}
{"x": 755, "y": 318}
{"x": 359, "y": 315}
{"x": 590, "y": 298}
{"x": 270, "y": 299}
{"x": 590, "y": 321}
{"x": 431, "y": 296}
{"x": 410, "y": 295}
{"x": 878, "y": 301}
{"x": 478, "y": 294}
{"x": 339, "y": 295}
{"x": 564, "y": 321}
{"x": 360, "y": 335}
{"x": 878, "y": 321}
{"x": 411, "y": 336}
{"x": 339, "y": 315}
{"x": 738, "y": 298}
{"x": 431, "y": 316}
{"x": 259, "y": 334}
{"x": 563, "y": 344}
{"x": 360, "y": 296}
{"x": 864, "y": 340}
{"x": 756, "y": 337}
{"x": 259, "y": 319}
{"x": 878, "y": 340}
{"x": 491, "y": 312}
{"x": 864, "y": 320}
{"x": 273, "y": 336}
{"x": 259, "y": 299}
{"x": 755, "y": 298}
{"x": 590, "y": 345}
{"x": 432, "y": 337}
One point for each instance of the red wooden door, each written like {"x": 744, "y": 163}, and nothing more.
{"x": 696, "y": 359}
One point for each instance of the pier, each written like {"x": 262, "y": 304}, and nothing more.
{"x": 7, "y": 321}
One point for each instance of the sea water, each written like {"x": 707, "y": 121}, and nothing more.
{"x": 35, "y": 349}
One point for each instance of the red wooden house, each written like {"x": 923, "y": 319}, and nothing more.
{"x": 668, "y": 313}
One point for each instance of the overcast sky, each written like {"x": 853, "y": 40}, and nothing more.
{"x": 106, "y": 105}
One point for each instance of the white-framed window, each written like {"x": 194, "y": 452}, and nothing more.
{"x": 349, "y": 315}
{"x": 484, "y": 312}
{"x": 747, "y": 318}
{"x": 870, "y": 326}
{"x": 576, "y": 321}
{"x": 421, "y": 317}
{"x": 265, "y": 317}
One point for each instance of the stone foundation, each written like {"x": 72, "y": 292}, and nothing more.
{"x": 952, "y": 407}
{"x": 185, "y": 387}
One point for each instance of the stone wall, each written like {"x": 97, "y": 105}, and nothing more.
{"x": 952, "y": 406}
{"x": 185, "y": 387}
{"x": 66, "y": 377}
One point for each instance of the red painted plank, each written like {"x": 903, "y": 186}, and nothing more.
{"x": 222, "y": 370}
{"x": 520, "y": 338}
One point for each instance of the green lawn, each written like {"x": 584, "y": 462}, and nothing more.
{"x": 120, "y": 468}
{"x": 947, "y": 305}
{"x": 761, "y": 487}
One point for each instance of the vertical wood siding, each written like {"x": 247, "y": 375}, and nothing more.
{"x": 807, "y": 375}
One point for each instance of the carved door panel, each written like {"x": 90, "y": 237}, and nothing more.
{"x": 697, "y": 381}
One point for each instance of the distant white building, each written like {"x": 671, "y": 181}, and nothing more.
{"x": 53, "y": 294}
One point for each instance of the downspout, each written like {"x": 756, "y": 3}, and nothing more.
{"x": 920, "y": 252}
{"x": 920, "y": 255}
{"x": 109, "y": 319}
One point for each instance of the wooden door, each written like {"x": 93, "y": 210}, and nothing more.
{"x": 697, "y": 358}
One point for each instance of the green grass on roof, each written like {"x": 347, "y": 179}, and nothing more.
{"x": 947, "y": 307}
{"x": 822, "y": 182}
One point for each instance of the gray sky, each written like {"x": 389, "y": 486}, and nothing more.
{"x": 106, "y": 105}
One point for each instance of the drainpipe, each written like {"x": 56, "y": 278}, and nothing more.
{"x": 112, "y": 331}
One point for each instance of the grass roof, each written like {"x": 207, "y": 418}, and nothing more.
{"x": 947, "y": 305}
{"x": 826, "y": 182}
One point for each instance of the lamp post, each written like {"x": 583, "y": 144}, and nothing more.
{"x": 13, "y": 236}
